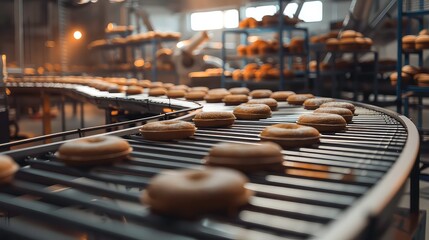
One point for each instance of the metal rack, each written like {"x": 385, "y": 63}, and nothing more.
{"x": 355, "y": 72}
{"x": 280, "y": 29}
{"x": 328, "y": 191}
{"x": 141, "y": 46}
{"x": 416, "y": 9}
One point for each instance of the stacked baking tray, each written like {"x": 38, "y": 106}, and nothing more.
{"x": 345, "y": 187}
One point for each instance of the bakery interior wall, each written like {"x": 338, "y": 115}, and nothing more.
{"x": 41, "y": 23}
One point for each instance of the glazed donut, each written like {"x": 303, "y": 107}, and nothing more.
{"x": 324, "y": 122}
{"x": 195, "y": 96}
{"x": 281, "y": 95}
{"x": 167, "y": 130}
{"x": 134, "y": 90}
{"x": 347, "y": 105}
{"x": 261, "y": 93}
{"x": 180, "y": 87}
{"x": 215, "y": 97}
{"x": 298, "y": 99}
{"x": 156, "y": 85}
{"x": 290, "y": 135}
{"x": 235, "y": 99}
{"x": 246, "y": 157}
{"x": 199, "y": 89}
{"x": 270, "y": 102}
{"x": 252, "y": 111}
{"x": 189, "y": 193}
{"x": 167, "y": 85}
{"x": 93, "y": 150}
{"x": 239, "y": 90}
{"x": 144, "y": 83}
{"x": 159, "y": 91}
{"x": 214, "y": 119}
{"x": 114, "y": 88}
{"x": 176, "y": 93}
{"x": 218, "y": 90}
{"x": 314, "y": 103}
{"x": 8, "y": 167}
{"x": 344, "y": 112}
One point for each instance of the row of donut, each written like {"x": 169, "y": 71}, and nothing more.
{"x": 267, "y": 21}
{"x": 190, "y": 193}
{"x": 412, "y": 75}
{"x": 266, "y": 71}
{"x": 419, "y": 42}
{"x": 135, "y": 38}
{"x": 182, "y": 193}
{"x": 348, "y": 40}
{"x": 262, "y": 47}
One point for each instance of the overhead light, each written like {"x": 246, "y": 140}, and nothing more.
{"x": 77, "y": 35}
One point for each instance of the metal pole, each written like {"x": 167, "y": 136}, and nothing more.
{"x": 19, "y": 34}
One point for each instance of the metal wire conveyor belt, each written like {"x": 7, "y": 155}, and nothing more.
{"x": 327, "y": 191}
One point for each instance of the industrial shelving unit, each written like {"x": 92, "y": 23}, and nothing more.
{"x": 355, "y": 72}
{"x": 281, "y": 29}
{"x": 416, "y": 9}
{"x": 411, "y": 9}
{"x": 141, "y": 46}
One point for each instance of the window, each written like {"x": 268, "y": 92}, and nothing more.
{"x": 258, "y": 12}
{"x": 230, "y": 18}
{"x": 312, "y": 11}
{"x": 290, "y": 9}
{"x": 214, "y": 20}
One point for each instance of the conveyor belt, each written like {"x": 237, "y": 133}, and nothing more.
{"x": 327, "y": 191}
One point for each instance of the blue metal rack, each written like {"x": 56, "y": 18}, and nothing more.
{"x": 280, "y": 29}
{"x": 416, "y": 9}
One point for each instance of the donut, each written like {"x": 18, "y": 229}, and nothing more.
{"x": 406, "y": 78}
{"x": 195, "y": 95}
{"x": 156, "y": 85}
{"x": 409, "y": 42}
{"x": 214, "y": 119}
{"x": 167, "y": 130}
{"x": 8, "y": 167}
{"x": 261, "y": 93}
{"x": 200, "y": 89}
{"x": 324, "y": 122}
{"x": 134, "y": 90}
{"x": 332, "y": 45}
{"x": 246, "y": 157}
{"x": 344, "y": 112}
{"x": 218, "y": 90}
{"x": 314, "y": 103}
{"x": 252, "y": 111}
{"x": 159, "y": 91}
{"x": 422, "y": 42}
{"x": 298, "y": 99}
{"x": 190, "y": 193}
{"x": 93, "y": 151}
{"x": 289, "y": 135}
{"x": 237, "y": 75}
{"x": 144, "y": 83}
{"x": 270, "y": 102}
{"x": 176, "y": 93}
{"x": 167, "y": 85}
{"x": 235, "y": 99}
{"x": 115, "y": 89}
{"x": 281, "y": 96}
{"x": 241, "y": 50}
{"x": 347, "y": 105}
{"x": 239, "y": 90}
{"x": 180, "y": 87}
{"x": 215, "y": 97}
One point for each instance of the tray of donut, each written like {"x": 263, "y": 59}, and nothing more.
{"x": 224, "y": 174}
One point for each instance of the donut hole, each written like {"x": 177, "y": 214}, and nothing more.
{"x": 197, "y": 176}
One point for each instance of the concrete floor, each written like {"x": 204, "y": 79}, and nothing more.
{"x": 94, "y": 116}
